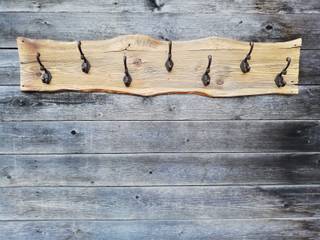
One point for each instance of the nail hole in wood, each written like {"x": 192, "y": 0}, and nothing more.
{"x": 269, "y": 27}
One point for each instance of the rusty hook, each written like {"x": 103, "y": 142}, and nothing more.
{"x": 279, "y": 80}
{"x": 45, "y": 74}
{"x": 206, "y": 77}
{"x": 127, "y": 79}
{"x": 85, "y": 67}
{"x": 169, "y": 63}
{"x": 244, "y": 65}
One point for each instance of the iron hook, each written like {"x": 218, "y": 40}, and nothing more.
{"x": 279, "y": 80}
{"x": 85, "y": 67}
{"x": 244, "y": 65}
{"x": 45, "y": 74}
{"x": 169, "y": 63}
{"x": 206, "y": 77}
{"x": 127, "y": 79}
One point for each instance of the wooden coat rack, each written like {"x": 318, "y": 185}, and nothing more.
{"x": 141, "y": 65}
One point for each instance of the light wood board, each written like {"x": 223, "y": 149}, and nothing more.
{"x": 146, "y": 59}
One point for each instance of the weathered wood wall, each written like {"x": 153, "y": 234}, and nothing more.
{"x": 102, "y": 166}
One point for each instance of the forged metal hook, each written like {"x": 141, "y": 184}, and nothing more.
{"x": 206, "y": 77}
{"x": 169, "y": 63}
{"x": 244, "y": 65}
{"x": 279, "y": 80}
{"x": 45, "y": 74}
{"x": 127, "y": 79}
{"x": 85, "y": 67}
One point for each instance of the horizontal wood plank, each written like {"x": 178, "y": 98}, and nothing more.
{"x": 176, "y": 203}
{"x": 145, "y": 57}
{"x": 155, "y": 136}
{"x": 94, "y": 26}
{"x": 162, "y": 6}
{"x": 258, "y": 229}
{"x": 18, "y": 106}
{"x": 309, "y": 67}
{"x": 159, "y": 169}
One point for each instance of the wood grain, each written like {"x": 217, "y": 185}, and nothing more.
{"x": 162, "y": 6}
{"x": 10, "y": 71}
{"x": 94, "y": 26}
{"x": 159, "y": 136}
{"x": 160, "y": 203}
{"x": 18, "y": 106}
{"x": 159, "y": 169}
{"x": 76, "y": 196}
{"x": 257, "y": 229}
{"x": 146, "y": 58}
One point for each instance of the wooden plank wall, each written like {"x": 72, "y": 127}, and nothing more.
{"x": 103, "y": 166}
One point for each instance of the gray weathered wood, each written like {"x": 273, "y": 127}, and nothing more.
{"x": 309, "y": 67}
{"x": 163, "y": 203}
{"x": 72, "y": 26}
{"x": 155, "y": 136}
{"x": 9, "y": 67}
{"x": 257, "y": 229}
{"x": 158, "y": 169}
{"x": 163, "y": 6}
{"x": 18, "y": 106}
{"x": 87, "y": 187}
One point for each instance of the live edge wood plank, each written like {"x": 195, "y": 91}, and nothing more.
{"x": 10, "y": 72}
{"x": 159, "y": 169}
{"x": 18, "y": 106}
{"x": 257, "y": 229}
{"x": 148, "y": 203}
{"x": 146, "y": 58}
{"x": 155, "y": 136}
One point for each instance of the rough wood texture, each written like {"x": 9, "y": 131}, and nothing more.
{"x": 88, "y": 184}
{"x": 159, "y": 169}
{"x": 18, "y": 106}
{"x": 155, "y": 136}
{"x": 257, "y": 229}
{"x": 309, "y": 67}
{"x": 146, "y": 60}
{"x": 101, "y": 26}
{"x": 175, "y": 203}
{"x": 162, "y": 6}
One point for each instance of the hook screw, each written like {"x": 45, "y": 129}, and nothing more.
{"x": 279, "y": 80}
{"x": 244, "y": 65}
{"x": 85, "y": 67}
{"x": 127, "y": 79}
{"x": 45, "y": 74}
{"x": 206, "y": 77}
{"x": 169, "y": 63}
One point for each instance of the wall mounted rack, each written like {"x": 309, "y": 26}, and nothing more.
{"x": 141, "y": 65}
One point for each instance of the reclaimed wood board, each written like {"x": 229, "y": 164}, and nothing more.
{"x": 159, "y": 169}
{"x": 146, "y": 60}
{"x": 160, "y": 203}
{"x": 74, "y": 106}
{"x": 162, "y": 6}
{"x": 49, "y": 137}
{"x": 252, "y": 229}
{"x": 247, "y": 27}
{"x": 72, "y": 163}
